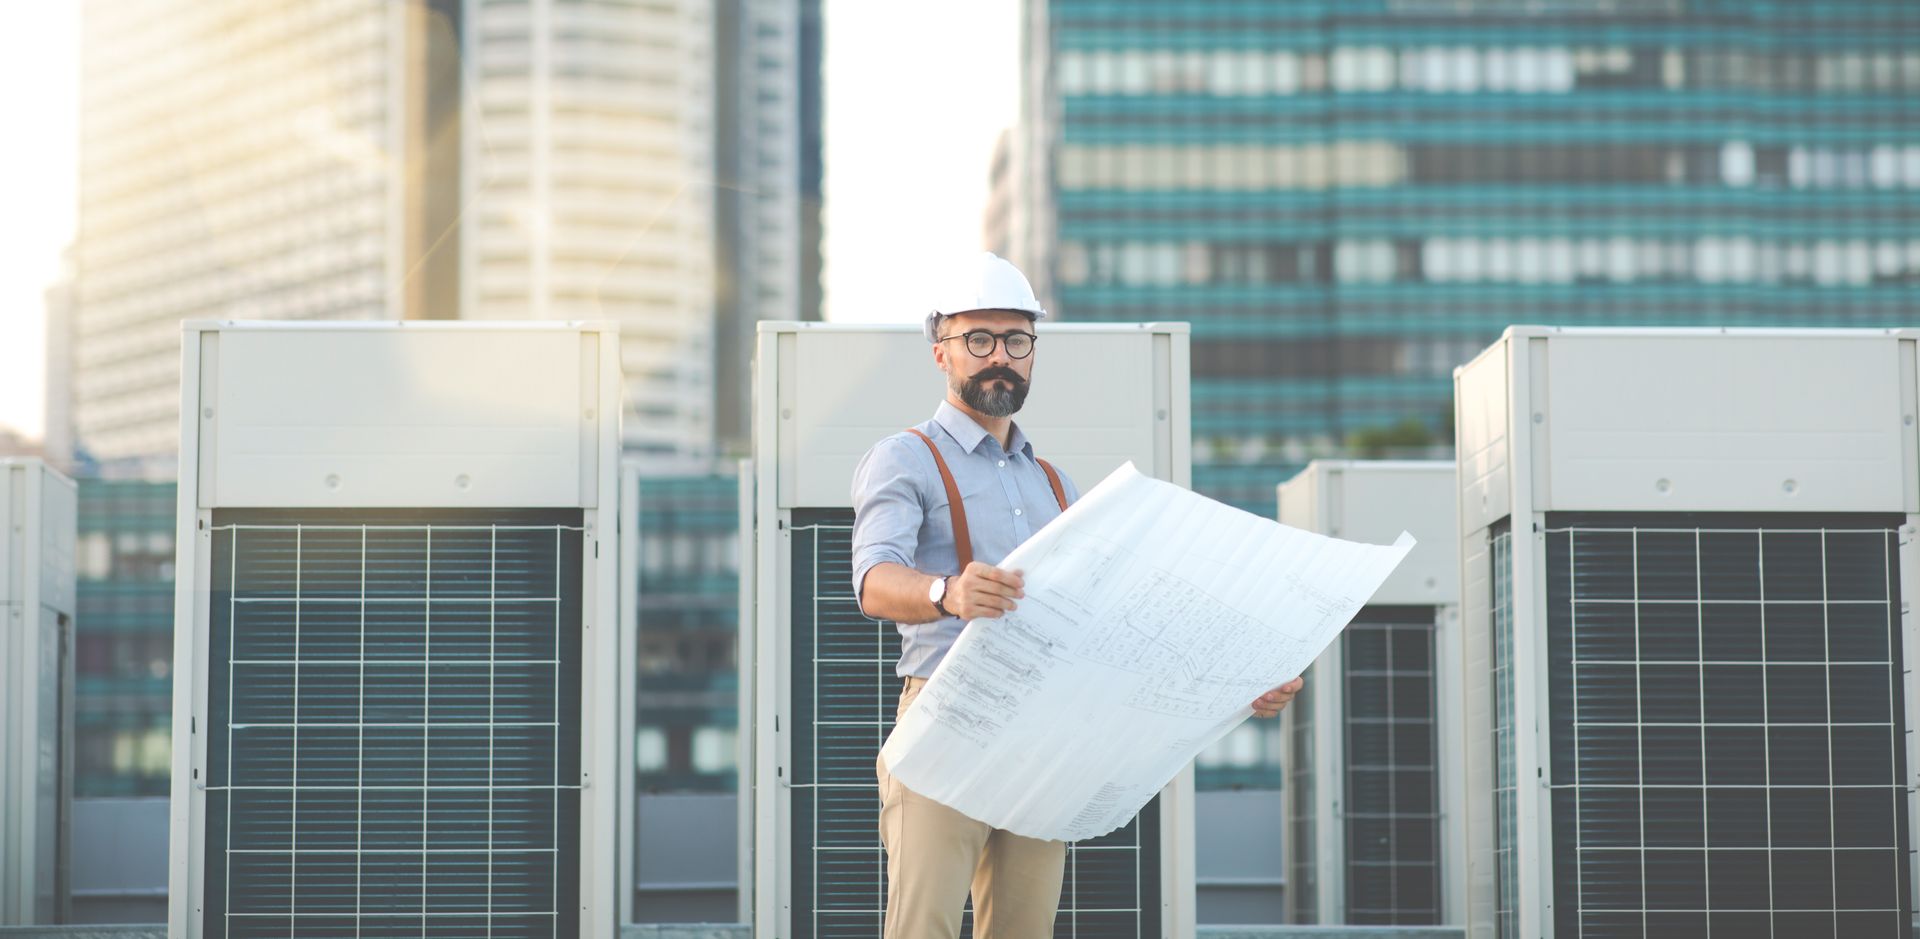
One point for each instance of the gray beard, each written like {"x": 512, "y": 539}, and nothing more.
{"x": 992, "y": 402}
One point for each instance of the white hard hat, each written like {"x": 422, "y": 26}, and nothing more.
{"x": 987, "y": 282}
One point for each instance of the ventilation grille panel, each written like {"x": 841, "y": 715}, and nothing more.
{"x": 1726, "y": 725}
{"x": 394, "y": 724}
{"x": 1391, "y": 811}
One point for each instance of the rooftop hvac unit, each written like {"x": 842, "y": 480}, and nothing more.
{"x": 1374, "y": 774}
{"x": 1684, "y": 559}
{"x": 38, "y": 513}
{"x": 823, "y": 674}
{"x": 395, "y": 702}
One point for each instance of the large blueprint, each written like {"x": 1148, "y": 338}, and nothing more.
{"x": 1153, "y": 617}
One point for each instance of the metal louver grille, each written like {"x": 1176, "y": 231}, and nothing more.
{"x": 1506, "y": 835}
{"x": 844, "y": 692}
{"x": 1392, "y": 807}
{"x": 1726, "y": 724}
{"x": 1303, "y": 863}
{"x": 394, "y": 726}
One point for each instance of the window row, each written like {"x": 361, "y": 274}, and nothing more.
{"x": 123, "y": 755}
{"x": 684, "y": 553}
{"x": 1709, "y": 260}
{"x": 1466, "y": 69}
{"x": 679, "y": 751}
{"x": 124, "y": 555}
{"x": 1380, "y": 163}
{"x": 1318, "y": 357}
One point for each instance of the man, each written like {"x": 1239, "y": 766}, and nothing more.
{"x": 970, "y": 470}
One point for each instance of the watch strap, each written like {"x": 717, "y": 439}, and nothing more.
{"x": 941, "y": 604}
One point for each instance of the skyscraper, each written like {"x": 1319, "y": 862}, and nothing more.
{"x": 587, "y": 185}
{"x": 237, "y": 159}
{"x": 437, "y": 159}
{"x": 767, "y": 188}
{"x": 1347, "y": 199}
{"x": 123, "y": 649}
{"x": 689, "y": 609}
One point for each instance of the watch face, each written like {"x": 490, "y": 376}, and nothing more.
{"x": 938, "y": 590}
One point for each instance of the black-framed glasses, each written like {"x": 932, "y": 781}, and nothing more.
{"x": 981, "y": 342}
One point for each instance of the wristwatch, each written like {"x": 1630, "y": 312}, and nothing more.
{"x": 937, "y": 592}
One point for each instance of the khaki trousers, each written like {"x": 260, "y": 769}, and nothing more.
{"x": 935, "y": 855}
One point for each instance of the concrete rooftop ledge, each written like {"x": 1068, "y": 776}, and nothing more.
{"x": 739, "y": 931}
{"x": 735, "y": 931}
{"x": 1331, "y": 932}
{"x": 699, "y": 931}
{"x": 84, "y": 932}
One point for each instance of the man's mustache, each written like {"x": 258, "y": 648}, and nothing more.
{"x": 989, "y": 374}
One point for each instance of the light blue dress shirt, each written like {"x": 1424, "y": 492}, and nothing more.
{"x": 900, "y": 512}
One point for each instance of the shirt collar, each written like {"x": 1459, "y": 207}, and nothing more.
{"x": 968, "y": 433}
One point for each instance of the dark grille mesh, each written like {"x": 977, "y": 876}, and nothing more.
{"x": 1303, "y": 863}
{"x": 1506, "y": 832}
{"x": 1392, "y": 805}
{"x": 394, "y": 742}
{"x": 1726, "y": 721}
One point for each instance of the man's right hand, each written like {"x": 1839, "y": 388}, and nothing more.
{"x": 983, "y": 590}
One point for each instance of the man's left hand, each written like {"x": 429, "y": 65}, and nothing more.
{"x": 1271, "y": 703}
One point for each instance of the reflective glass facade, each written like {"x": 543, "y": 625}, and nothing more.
{"x": 689, "y": 619}
{"x": 123, "y": 639}
{"x": 1347, "y": 199}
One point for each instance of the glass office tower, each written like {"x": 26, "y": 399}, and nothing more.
{"x": 123, "y": 638}
{"x": 1348, "y": 197}
{"x": 689, "y": 620}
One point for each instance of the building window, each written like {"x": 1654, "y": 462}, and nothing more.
{"x": 1464, "y": 64}
{"x": 1529, "y": 260}
{"x": 1102, "y": 72}
{"x": 1496, "y": 67}
{"x": 1363, "y": 261}
{"x": 653, "y": 556}
{"x": 1222, "y": 73}
{"x": 1286, "y": 73}
{"x": 1560, "y": 265}
{"x": 1072, "y": 73}
{"x": 713, "y": 750}
{"x": 1620, "y": 259}
{"x": 1829, "y": 264}
{"x": 650, "y": 750}
{"x": 1436, "y": 258}
{"x": 1429, "y": 69}
{"x": 1073, "y": 263}
{"x": 1736, "y": 163}
{"x": 1196, "y": 263}
{"x": 1133, "y": 72}
{"x": 1313, "y": 71}
{"x": 95, "y": 556}
{"x": 1887, "y": 261}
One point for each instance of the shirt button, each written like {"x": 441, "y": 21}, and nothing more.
{"x": 1003, "y": 462}
{"x": 1016, "y": 511}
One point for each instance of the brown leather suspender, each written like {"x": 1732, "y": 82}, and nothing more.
{"x": 962, "y": 540}
{"x": 1053, "y": 479}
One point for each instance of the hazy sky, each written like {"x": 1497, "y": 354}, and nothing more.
{"x": 39, "y": 93}
{"x": 915, "y": 95}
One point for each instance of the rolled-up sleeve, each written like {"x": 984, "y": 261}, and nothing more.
{"x": 887, "y": 510}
